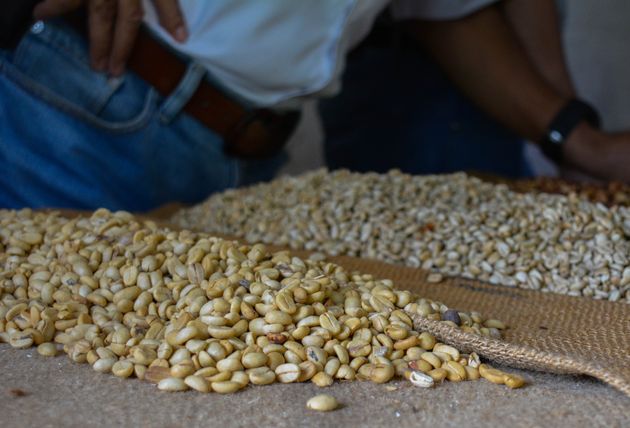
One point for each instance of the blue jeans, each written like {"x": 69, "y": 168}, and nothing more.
{"x": 74, "y": 138}
{"x": 398, "y": 110}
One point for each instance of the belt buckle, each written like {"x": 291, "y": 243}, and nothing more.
{"x": 260, "y": 133}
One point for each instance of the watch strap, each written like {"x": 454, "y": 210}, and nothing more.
{"x": 567, "y": 119}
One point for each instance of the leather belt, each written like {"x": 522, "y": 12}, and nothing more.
{"x": 247, "y": 133}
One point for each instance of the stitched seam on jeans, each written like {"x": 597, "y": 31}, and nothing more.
{"x": 64, "y": 42}
{"x": 60, "y": 103}
{"x": 51, "y": 39}
{"x": 28, "y": 47}
{"x": 174, "y": 97}
{"x": 166, "y": 118}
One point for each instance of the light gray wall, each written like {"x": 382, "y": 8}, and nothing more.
{"x": 596, "y": 36}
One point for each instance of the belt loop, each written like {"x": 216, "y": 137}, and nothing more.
{"x": 182, "y": 93}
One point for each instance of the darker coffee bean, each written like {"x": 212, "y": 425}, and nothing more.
{"x": 451, "y": 315}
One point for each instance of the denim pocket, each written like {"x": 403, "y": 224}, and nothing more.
{"x": 52, "y": 63}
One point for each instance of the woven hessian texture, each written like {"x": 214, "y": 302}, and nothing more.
{"x": 547, "y": 332}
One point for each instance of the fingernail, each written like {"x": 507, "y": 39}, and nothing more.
{"x": 180, "y": 34}
{"x": 116, "y": 70}
{"x": 100, "y": 64}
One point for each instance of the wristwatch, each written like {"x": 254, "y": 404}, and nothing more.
{"x": 569, "y": 117}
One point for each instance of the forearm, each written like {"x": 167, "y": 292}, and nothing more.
{"x": 483, "y": 57}
{"x": 536, "y": 25}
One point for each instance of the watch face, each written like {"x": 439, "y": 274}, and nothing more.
{"x": 555, "y": 137}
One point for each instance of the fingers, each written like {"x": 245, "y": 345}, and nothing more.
{"x": 171, "y": 18}
{"x": 101, "y": 18}
{"x": 114, "y": 25}
{"x": 51, "y": 8}
{"x": 128, "y": 22}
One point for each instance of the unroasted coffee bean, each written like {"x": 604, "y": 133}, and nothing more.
{"x": 450, "y": 225}
{"x": 187, "y": 310}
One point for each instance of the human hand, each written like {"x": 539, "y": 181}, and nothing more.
{"x": 599, "y": 154}
{"x": 113, "y": 26}
{"x": 573, "y": 175}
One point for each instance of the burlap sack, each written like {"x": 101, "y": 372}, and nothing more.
{"x": 547, "y": 332}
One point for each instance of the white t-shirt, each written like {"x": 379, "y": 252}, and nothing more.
{"x": 270, "y": 52}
